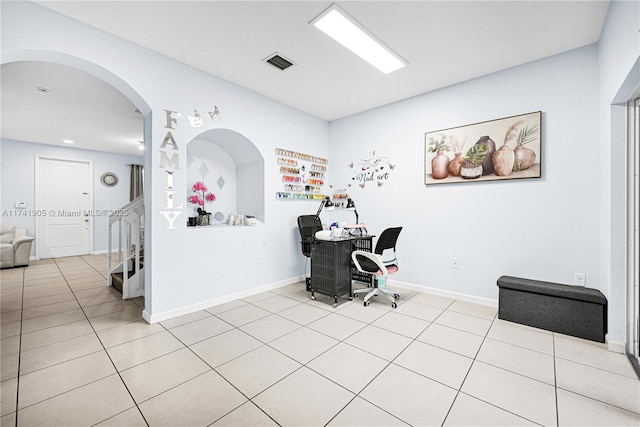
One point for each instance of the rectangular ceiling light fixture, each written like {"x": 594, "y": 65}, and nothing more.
{"x": 344, "y": 29}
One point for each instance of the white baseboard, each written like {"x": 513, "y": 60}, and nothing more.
{"x": 443, "y": 293}
{"x": 104, "y": 251}
{"x": 166, "y": 315}
{"x": 617, "y": 346}
{"x": 170, "y": 314}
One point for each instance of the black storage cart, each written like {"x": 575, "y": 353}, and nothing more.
{"x": 331, "y": 266}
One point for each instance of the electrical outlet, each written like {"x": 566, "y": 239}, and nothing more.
{"x": 455, "y": 264}
{"x": 261, "y": 259}
{"x": 579, "y": 279}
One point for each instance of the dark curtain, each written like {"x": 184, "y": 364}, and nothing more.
{"x": 137, "y": 181}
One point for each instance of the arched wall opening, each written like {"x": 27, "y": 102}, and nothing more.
{"x": 128, "y": 92}
{"x": 232, "y": 168}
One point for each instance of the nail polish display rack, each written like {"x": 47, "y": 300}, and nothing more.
{"x": 302, "y": 175}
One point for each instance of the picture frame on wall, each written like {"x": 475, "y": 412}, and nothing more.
{"x": 500, "y": 149}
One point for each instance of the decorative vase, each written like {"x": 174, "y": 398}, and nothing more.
{"x": 524, "y": 158}
{"x": 456, "y": 164}
{"x": 503, "y": 161}
{"x": 439, "y": 165}
{"x": 487, "y": 162}
{"x": 203, "y": 219}
{"x": 471, "y": 170}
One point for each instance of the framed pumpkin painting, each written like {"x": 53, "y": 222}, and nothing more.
{"x": 507, "y": 148}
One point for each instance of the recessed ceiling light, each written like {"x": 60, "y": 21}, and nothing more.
{"x": 67, "y": 141}
{"x": 43, "y": 89}
{"x": 344, "y": 29}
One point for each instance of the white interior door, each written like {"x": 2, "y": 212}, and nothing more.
{"x": 64, "y": 201}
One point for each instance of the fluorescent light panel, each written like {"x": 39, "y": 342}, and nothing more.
{"x": 341, "y": 27}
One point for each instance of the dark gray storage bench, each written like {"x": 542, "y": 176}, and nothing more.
{"x": 571, "y": 310}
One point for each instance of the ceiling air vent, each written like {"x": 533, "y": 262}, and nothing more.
{"x": 278, "y": 61}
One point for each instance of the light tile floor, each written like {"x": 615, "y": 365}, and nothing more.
{"x": 74, "y": 353}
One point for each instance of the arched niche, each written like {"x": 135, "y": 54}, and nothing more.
{"x": 232, "y": 168}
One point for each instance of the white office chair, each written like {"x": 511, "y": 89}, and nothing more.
{"x": 379, "y": 264}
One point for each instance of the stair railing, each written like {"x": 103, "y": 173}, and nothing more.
{"x": 130, "y": 231}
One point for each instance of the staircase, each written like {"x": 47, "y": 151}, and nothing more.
{"x": 117, "y": 277}
{"x": 126, "y": 274}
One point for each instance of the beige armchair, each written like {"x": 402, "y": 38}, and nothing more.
{"x": 15, "y": 246}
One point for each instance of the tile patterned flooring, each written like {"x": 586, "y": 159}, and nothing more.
{"x": 74, "y": 353}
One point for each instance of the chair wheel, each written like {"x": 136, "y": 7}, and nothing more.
{"x": 394, "y": 305}
{"x": 313, "y": 297}
{"x": 335, "y": 305}
{"x": 366, "y": 303}
{"x": 396, "y": 296}
{"x": 356, "y": 295}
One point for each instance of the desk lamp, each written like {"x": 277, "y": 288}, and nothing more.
{"x": 326, "y": 203}
{"x": 351, "y": 206}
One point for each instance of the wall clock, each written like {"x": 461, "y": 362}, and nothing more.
{"x": 109, "y": 179}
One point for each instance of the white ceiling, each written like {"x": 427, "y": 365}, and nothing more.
{"x": 80, "y": 107}
{"x": 444, "y": 42}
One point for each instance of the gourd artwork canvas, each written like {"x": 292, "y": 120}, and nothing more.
{"x": 507, "y": 148}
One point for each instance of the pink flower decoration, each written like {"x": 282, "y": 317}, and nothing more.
{"x": 200, "y": 199}
{"x": 199, "y": 186}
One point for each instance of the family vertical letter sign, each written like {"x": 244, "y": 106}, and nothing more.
{"x": 169, "y": 164}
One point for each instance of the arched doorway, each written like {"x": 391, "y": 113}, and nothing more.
{"x": 119, "y": 86}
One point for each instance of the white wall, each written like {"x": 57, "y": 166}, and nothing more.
{"x": 544, "y": 229}
{"x": 619, "y": 53}
{"x": 18, "y": 183}
{"x": 186, "y": 269}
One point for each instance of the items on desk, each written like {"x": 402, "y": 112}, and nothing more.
{"x": 351, "y": 206}
{"x": 355, "y": 229}
{"x": 326, "y": 203}
{"x": 342, "y": 232}
{"x": 323, "y": 235}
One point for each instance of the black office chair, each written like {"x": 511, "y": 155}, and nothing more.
{"x": 379, "y": 264}
{"x": 308, "y": 225}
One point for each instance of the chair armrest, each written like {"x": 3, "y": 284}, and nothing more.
{"x": 19, "y": 240}
{"x": 375, "y": 258}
